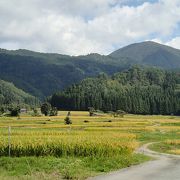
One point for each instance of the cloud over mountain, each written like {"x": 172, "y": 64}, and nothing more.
{"x": 80, "y": 27}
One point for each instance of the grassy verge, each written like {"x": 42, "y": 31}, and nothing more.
{"x": 168, "y": 146}
{"x": 64, "y": 167}
{"x": 156, "y": 136}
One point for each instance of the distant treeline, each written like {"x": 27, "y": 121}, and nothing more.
{"x": 137, "y": 90}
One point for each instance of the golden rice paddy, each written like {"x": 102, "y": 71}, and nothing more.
{"x": 101, "y": 135}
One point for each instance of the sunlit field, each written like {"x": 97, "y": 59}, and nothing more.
{"x": 91, "y": 144}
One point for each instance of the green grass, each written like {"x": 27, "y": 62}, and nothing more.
{"x": 163, "y": 147}
{"x": 156, "y": 136}
{"x": 64, "y": 167}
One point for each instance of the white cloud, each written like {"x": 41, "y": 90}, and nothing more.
{"x": 175, "y": 42}
{"x": 80, "y": 27}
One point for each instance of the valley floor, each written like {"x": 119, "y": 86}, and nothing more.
{"x": 91, "y": 146}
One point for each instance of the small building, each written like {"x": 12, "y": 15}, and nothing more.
{"x": 23, "y": 110}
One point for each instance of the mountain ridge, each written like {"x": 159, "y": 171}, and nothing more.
{"x": 139, "y": 52}
{"x": 42, "y": 74}
{"x": 54, "y": 53}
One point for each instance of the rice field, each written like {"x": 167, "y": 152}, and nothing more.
{"x": 87, "y": 136}
{"x": 80, "y": 143}
{"x": 90, "y": 145}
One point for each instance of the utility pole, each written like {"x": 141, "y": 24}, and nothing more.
{"x": 9, "y": 140}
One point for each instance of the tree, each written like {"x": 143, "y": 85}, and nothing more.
{"x": 69, "y": 113}
{"x": 2, "y": 109}
{"x": 67, "y": 120}
{"x": 46, "y": 108}
{"x": 35, "y": 112}
{"x": 53, "y": 111}
{"x": 14, "y": 110}
{"x": 91, "y": 111}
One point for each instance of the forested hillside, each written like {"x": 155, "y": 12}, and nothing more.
{"x": 9, "y": 95}
{"x": 151, "y": 54}
{"x": 42, "y": 74}
{"x": 137, "y": 91}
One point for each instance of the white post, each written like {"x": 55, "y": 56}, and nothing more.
{"x": 9, "y": 140}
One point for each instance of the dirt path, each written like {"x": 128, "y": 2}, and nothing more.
{"x": 164, "y": 167}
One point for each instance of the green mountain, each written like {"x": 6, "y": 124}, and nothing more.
{"x": 9, "y": 94}
{"x": 138, "y": 91}
{"x": 42, "y": 74}
{"x": 150, "y": 53}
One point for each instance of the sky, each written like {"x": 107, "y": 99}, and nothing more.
{"x": 79, "y": 27}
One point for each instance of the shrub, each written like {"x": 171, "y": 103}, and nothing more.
{"x": 67, "y": 120}
{"x": 14, "y": 110}
{"x": 35, "y": 112}
{"x": 91, "y": 111}
{"x": 54, "y": 111}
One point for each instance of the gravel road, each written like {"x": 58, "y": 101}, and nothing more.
{"x": 164, "y": 167}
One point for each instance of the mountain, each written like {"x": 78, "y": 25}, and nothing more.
{"x": 137, "y": 90}
{"x": 9, "y": 94}
{"x": 42, "y": 74}
{"x": 150, "y": 53}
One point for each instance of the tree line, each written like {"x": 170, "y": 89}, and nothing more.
{"x": 137, "y": 90}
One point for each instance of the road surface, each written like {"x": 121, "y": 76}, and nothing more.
{"x": 164, "y": 167}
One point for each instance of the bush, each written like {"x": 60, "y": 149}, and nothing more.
{"x": 35, "y": 112}
{"x": 14, "y": 110}
{"x": 2, "y": 109}
{"x": 54, "y": 111}
{"x": 91, "y": 111}
{"x": 120, "y": 113}
{"x": 67, "y": 120}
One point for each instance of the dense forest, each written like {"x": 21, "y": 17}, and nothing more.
{"x": 10, "y": 95}
{"x": 43, "y": 74}
{"x": 137, "y": 90}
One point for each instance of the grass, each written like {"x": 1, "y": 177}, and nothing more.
{"x": 64, "y": 167}
{"x": 157, "y": 136}
{"x": 49, "y": 149}
{"x": 168, "y": 146}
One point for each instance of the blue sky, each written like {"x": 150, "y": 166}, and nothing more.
{"x": 136, "y": 2}
{"x": 77, "y": 27}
